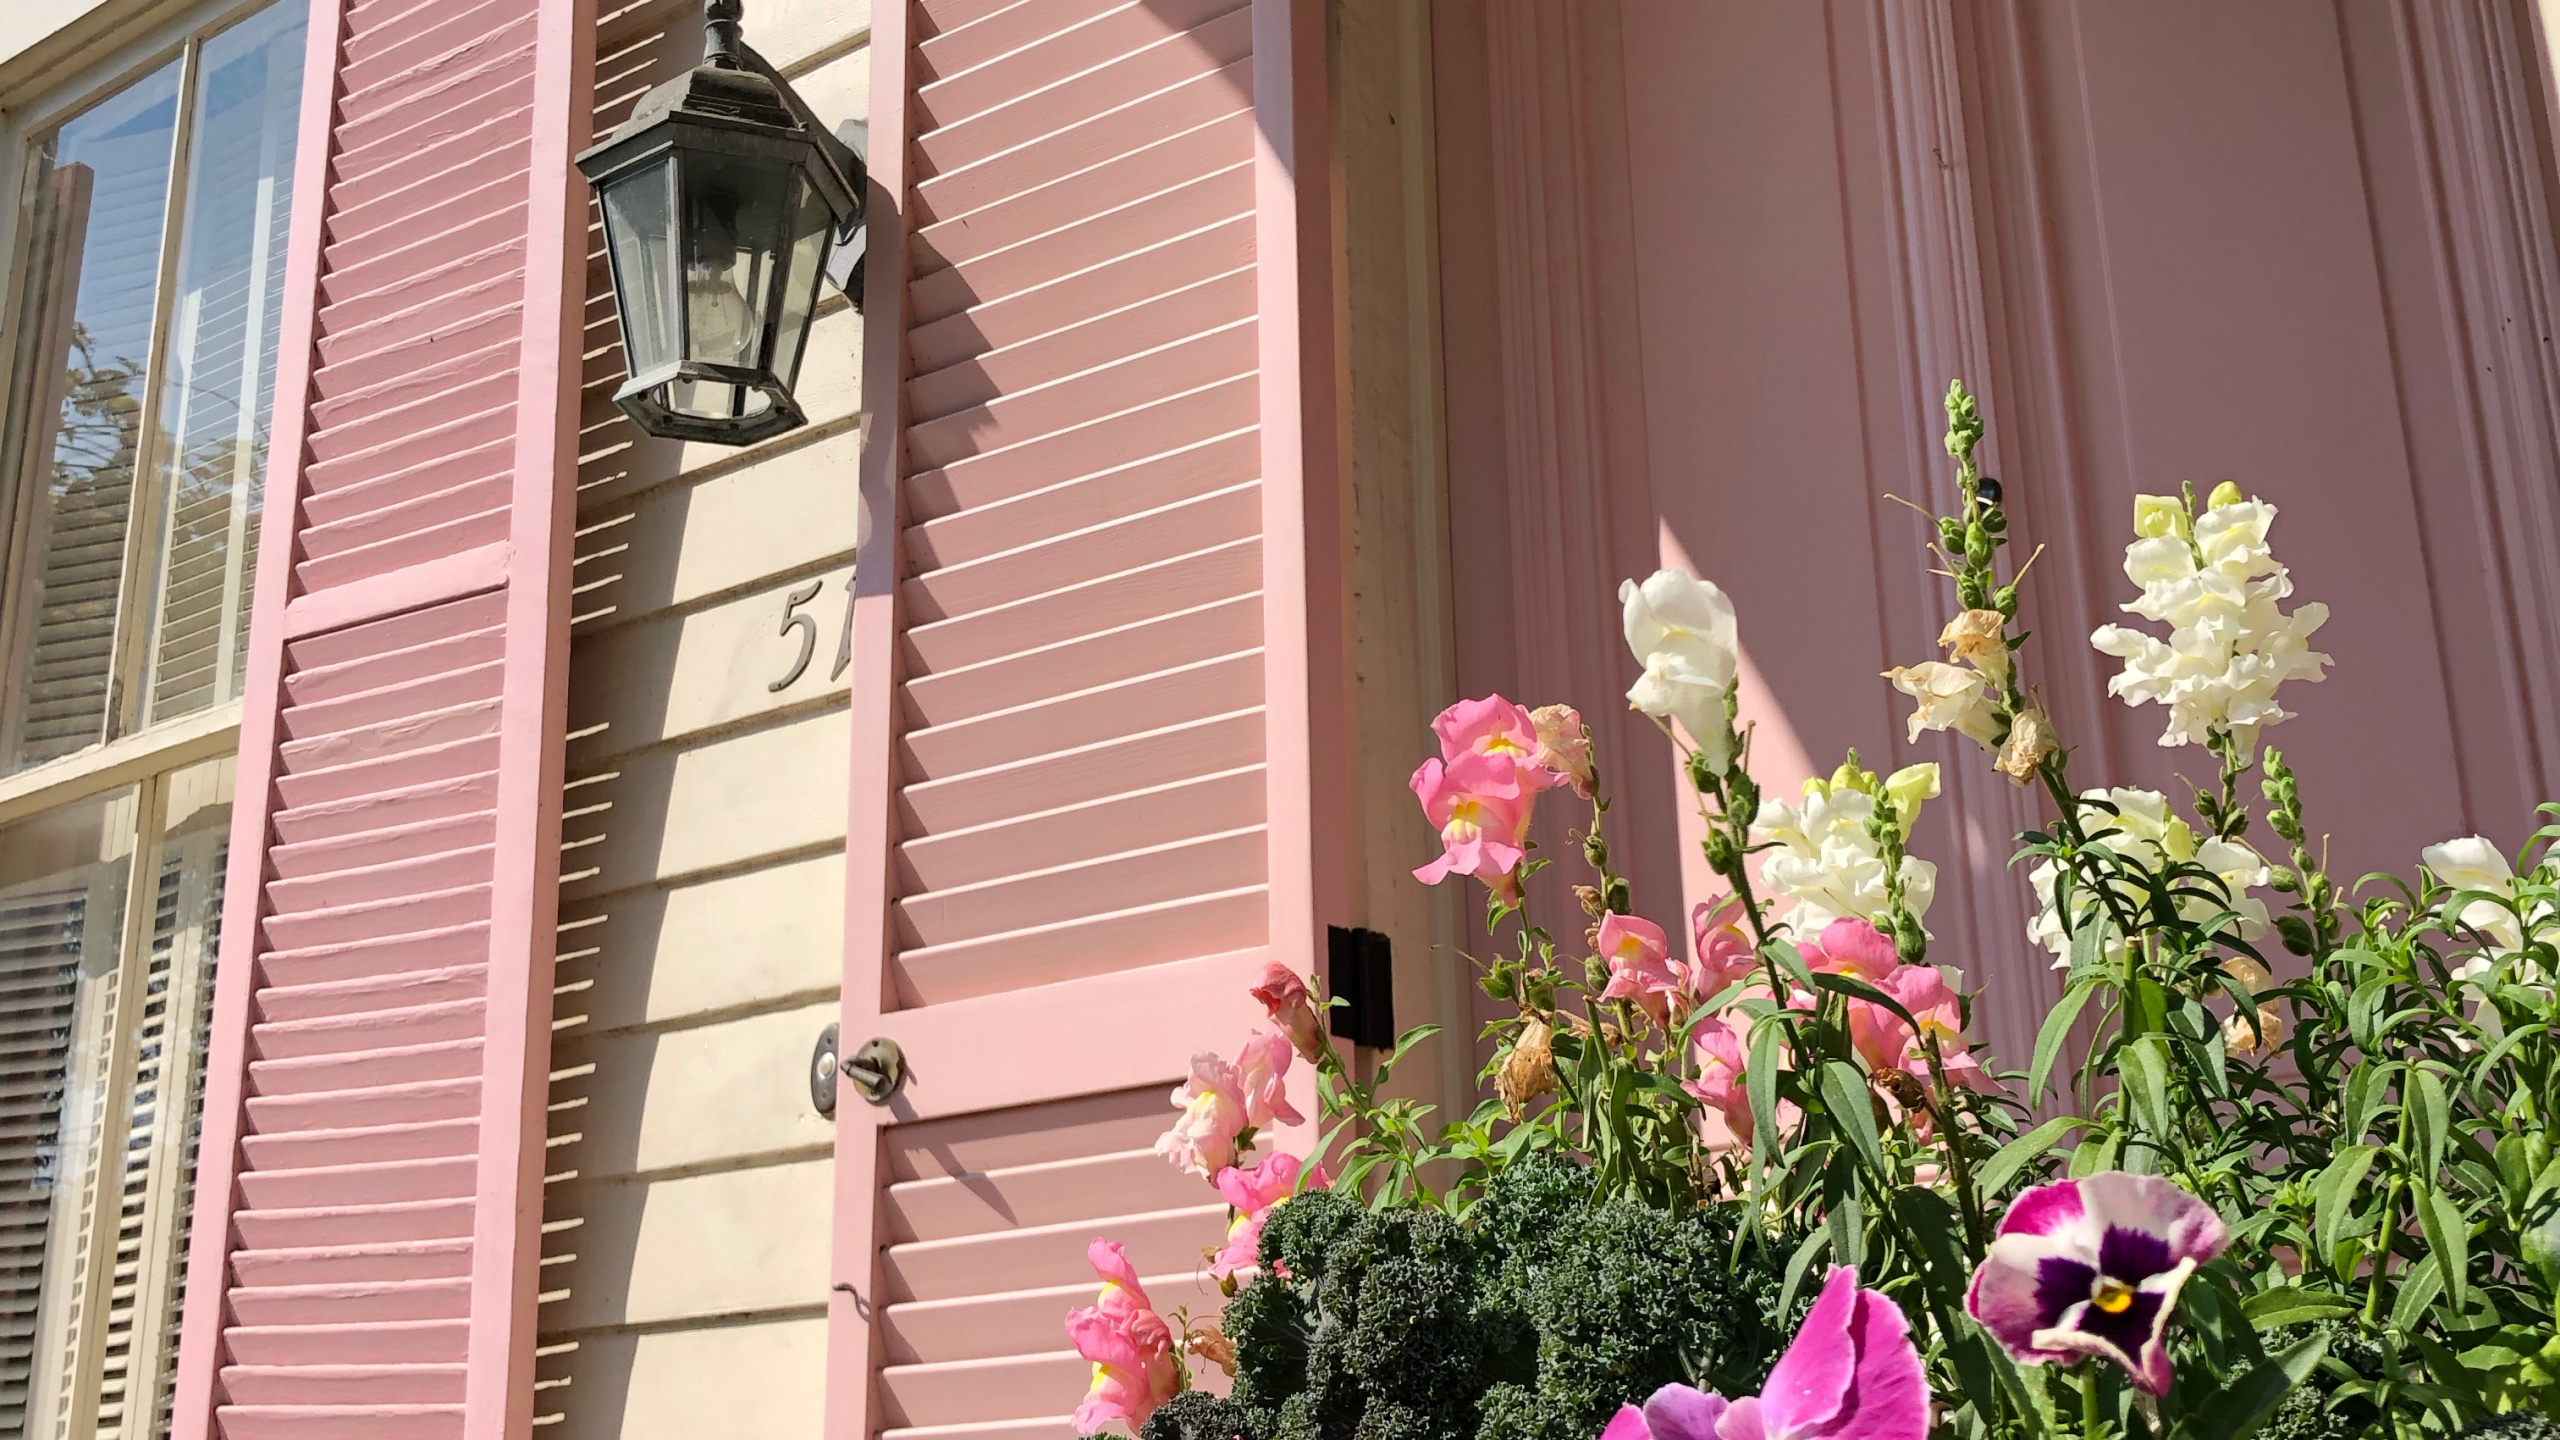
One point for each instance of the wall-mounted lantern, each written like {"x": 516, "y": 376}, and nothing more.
{"x": 723, "y": 201}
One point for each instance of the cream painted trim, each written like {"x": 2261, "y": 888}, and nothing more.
{"x": 206, "y": 735}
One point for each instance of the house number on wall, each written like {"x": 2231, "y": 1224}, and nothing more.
{"x": 794, "y": 618}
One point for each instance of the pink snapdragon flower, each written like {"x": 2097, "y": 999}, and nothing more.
{"x": 1128, "y": 1343}
{"x": 1639, "y": 961}
{"x": 1850, "y": 946}
{"x": 1262, "y": 1073}
{"x": 1253, "y": 1194}
{"x": 2093, "y": 1267}
{"x": 1498, "y": 729}
{"x": 1717, "y": 1047}
{"x": 1481, "y": 806}
{"x": 1852, "y": 1373}
{"x": 1721, "y": 953}
{"x": 1286, "y": 1000}
{"x": 1212, "y": 1101}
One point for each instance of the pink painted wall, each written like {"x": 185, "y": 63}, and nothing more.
{"x": 2285, "y": 243}
{"x": 363, "y": 1257}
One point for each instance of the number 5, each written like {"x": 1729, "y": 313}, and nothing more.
{"x": 807, "y": 625}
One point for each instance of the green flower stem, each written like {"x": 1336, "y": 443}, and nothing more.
{"x": 2092, "y": 1425}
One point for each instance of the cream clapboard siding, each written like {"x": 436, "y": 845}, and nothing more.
{"x": 702, "y": 891}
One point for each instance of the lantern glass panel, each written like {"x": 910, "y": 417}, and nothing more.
{"x": 639, "y": 216}
{"x": 813, "y": 228}
{"x": 733, "y": 244}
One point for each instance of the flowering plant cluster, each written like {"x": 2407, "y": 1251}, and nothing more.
{"x": 2280, "y": 1163}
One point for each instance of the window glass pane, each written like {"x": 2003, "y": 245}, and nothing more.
{"x": 102, "y": 192}
{"x": 62, "y": 887}
{"x": 211, "y": 449}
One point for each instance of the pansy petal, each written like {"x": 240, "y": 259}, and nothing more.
{"x": 1889, "y": 1397}
{"x": 1677, "y": 1412}
{"x": 1743, "y": 1421}
{"x": 1810, "y": 1381}
{"x": 1627, "y": 1424}
{"x": 2010, "y": 1298}
{"x": 2045, "y": 1210}
{"x": 2153, "y": 1206}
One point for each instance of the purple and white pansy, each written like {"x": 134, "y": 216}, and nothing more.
{"x": 2093, "y": 1267}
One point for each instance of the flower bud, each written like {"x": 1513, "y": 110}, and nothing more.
{"x": 1286, "y": 1000}
{"x": 2155, "y": 516}
{"x": 2226, "y": 493}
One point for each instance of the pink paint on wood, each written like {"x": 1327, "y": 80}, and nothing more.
{"x": 363, "y": 1257}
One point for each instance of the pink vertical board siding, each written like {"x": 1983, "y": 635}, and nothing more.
{"x": 2303, "y": 246}
{"x": 1097, "y": 662}
{"x": 363, "y": 1253}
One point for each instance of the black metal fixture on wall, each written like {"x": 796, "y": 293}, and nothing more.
{"x": 724, "y": 201}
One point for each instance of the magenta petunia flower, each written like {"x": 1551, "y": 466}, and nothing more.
{"x": 2093, "y": 1267}
{"x": 1851, "y": 1373}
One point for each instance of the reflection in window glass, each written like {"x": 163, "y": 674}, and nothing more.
{"x": 102, "y": 185}
{"x": 62, "y": 889}
{"x": 211, "y": 455}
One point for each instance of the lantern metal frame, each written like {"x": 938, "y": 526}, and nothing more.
{"x": 736, "y": 107}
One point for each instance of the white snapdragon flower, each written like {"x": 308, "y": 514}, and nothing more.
{"x": 1827, "y": 863}
{"x": 2215, "y": 583}
{"x": 2146, "y": 832}
{"x": 2472, "y": 863}
{"x": 1681, "y": 629}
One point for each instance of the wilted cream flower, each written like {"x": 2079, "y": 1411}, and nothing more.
{"x": 1529, "y": 1071}
{"x": 2030, "y": 740}
{"x": 1951, "y": 698}
{"x": 1979, "y": 639}
{"x": 1564, "y": 745}
{"x": 2239, "y": 1039}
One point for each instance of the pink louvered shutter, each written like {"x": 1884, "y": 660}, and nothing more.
{"x": 1097, "y": 662}
{"x": 363, "y": 1252}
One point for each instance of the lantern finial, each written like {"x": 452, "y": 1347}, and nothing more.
{"x": 721, "y": 33}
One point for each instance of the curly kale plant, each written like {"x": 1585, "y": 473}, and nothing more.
{"x": 1532, "y": 1318}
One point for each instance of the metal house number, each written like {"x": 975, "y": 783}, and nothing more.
{"x": 796, "y": 619}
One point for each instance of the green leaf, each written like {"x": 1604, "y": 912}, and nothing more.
{"x": 2239, "y": 1408}
{"x": 2449, "y": 1239}
{"x": 1404, "y": 1042}
{"x": 2014, "y": 1156}
{"x": 1844, "y": 1094}
{"x": 1796, "y": 1265}
{"x": 2364, "y": 1008}
{"x": 2144, "y": 1067}
{"x": 2419, "y": 1288}
{"x": 1761, "y": 1081}
{"x": 2057, "y": 1029}
{"x": 2333, "y": 1195}
{"x": 2293, "y": 1305}
{"x": 2427, "y": 1118}
{"x": 1857, "y": 989}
